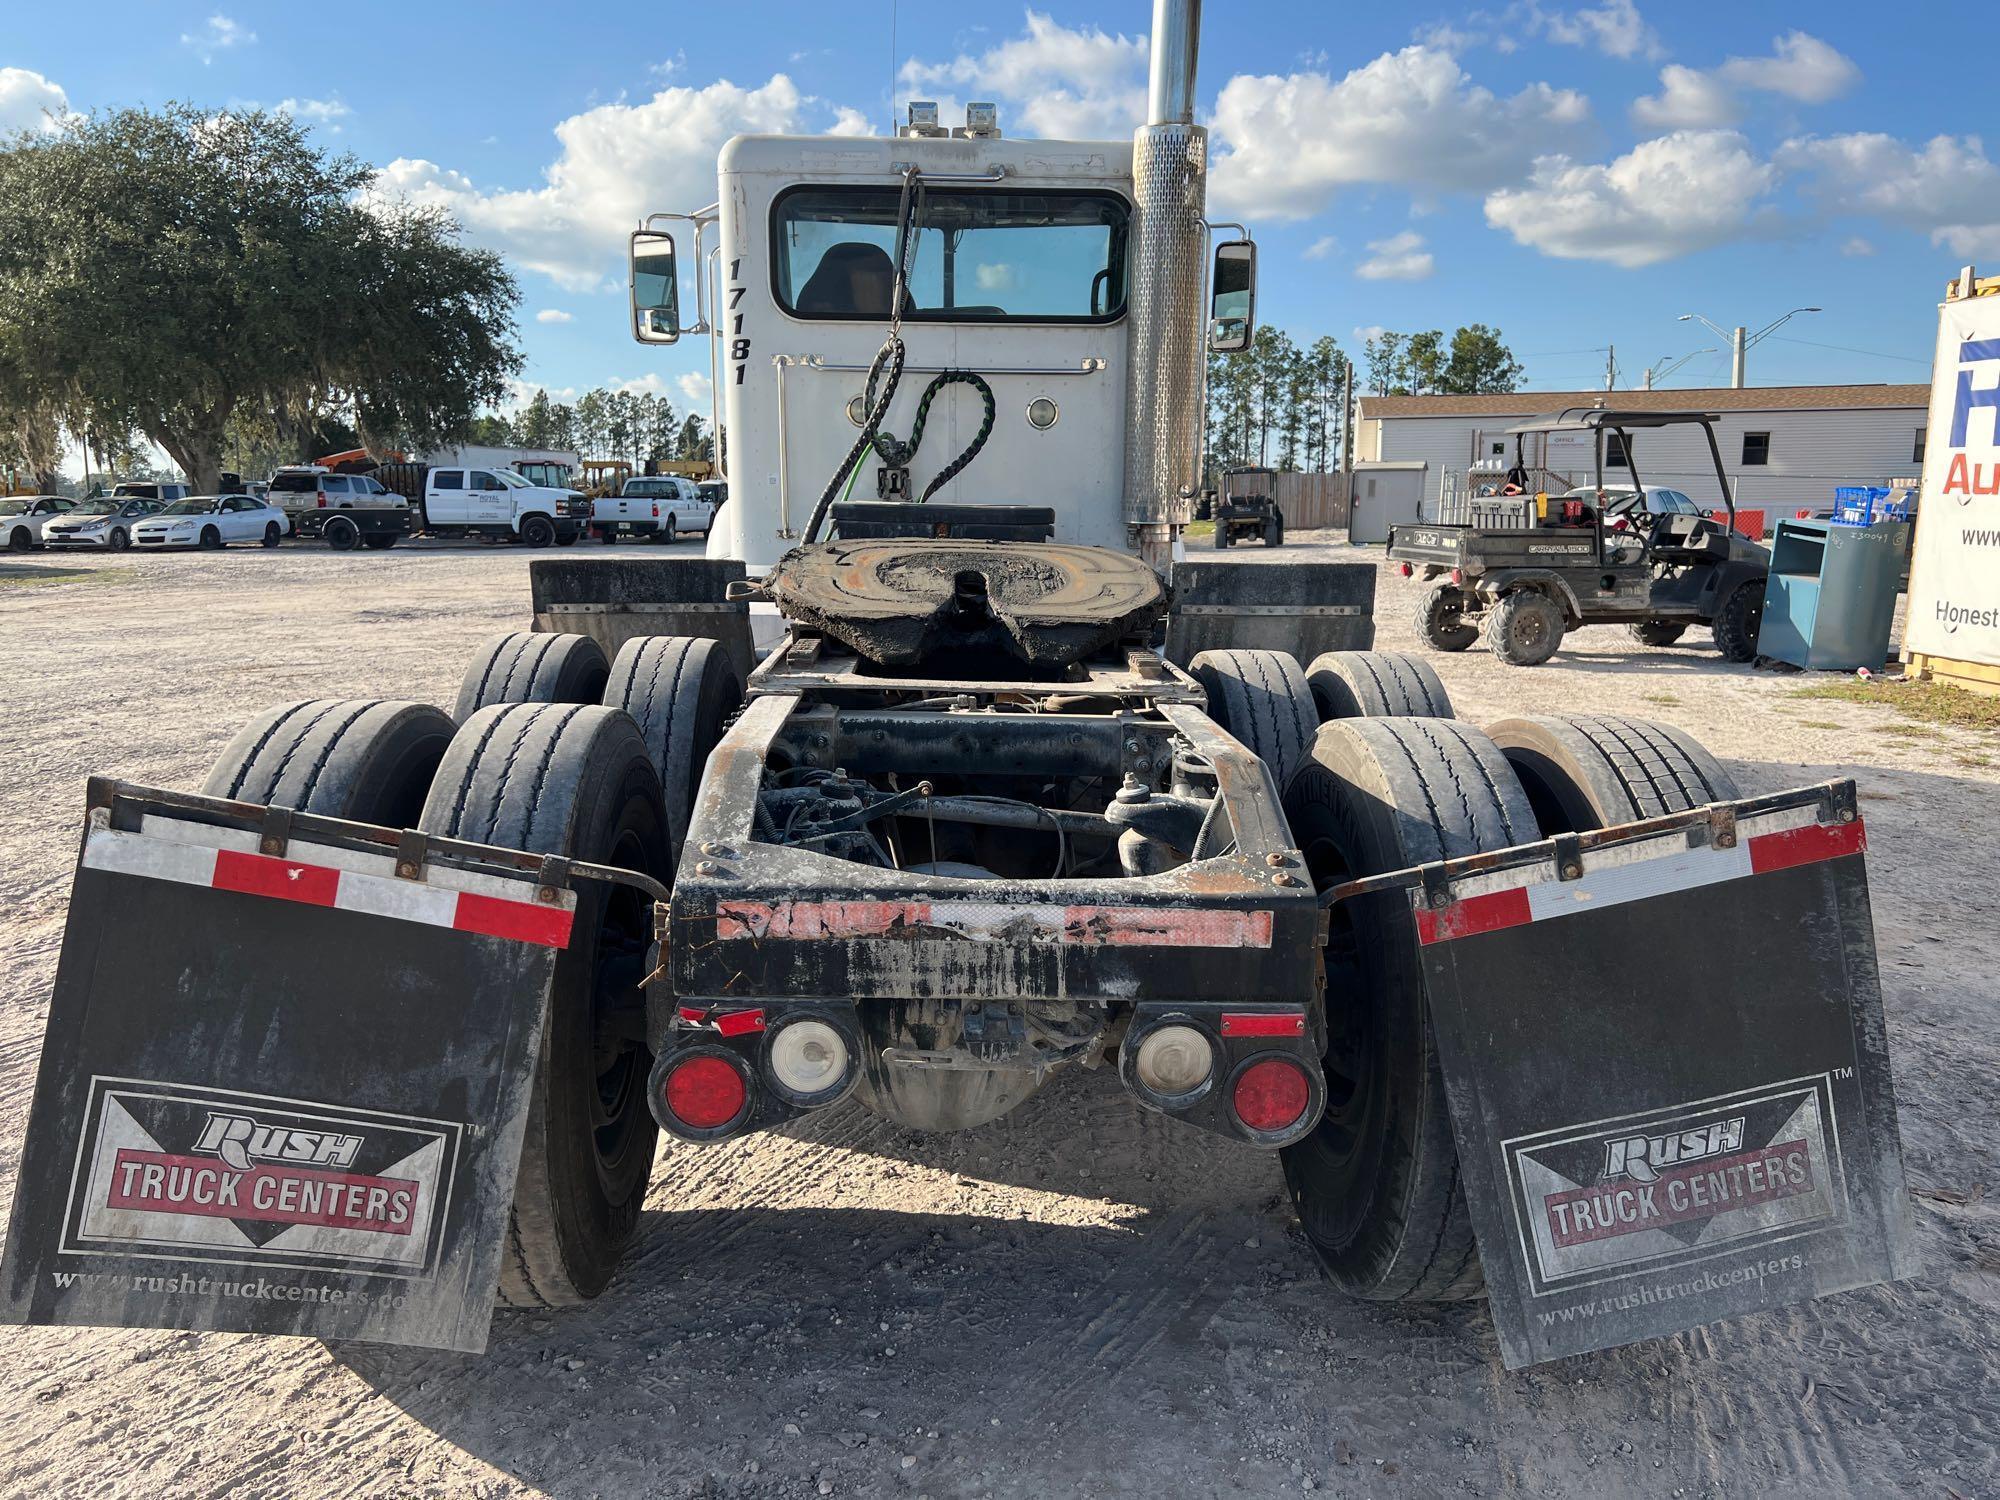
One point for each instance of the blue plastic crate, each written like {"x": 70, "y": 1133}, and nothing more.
{"x": 1860, "y": 504}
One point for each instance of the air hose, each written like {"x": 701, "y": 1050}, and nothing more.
{"x": 897, "y": 454}
{"x": 887, "y": 369}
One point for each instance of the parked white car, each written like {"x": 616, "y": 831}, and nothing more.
{"x": 23, "y": 517}
{"x": 105, "y": 522}
{"x": 662, "y": 506}
{"x": 211, "y": 521}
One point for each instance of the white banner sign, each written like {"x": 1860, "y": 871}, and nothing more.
{"x": 1955, "y": 575}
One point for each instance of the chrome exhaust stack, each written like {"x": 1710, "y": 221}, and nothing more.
{"x": 1163, "y": 394}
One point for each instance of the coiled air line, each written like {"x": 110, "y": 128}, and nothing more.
{"x": 887, "y": 369}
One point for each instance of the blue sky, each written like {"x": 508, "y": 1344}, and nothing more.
{"x": 1577, "y": 174}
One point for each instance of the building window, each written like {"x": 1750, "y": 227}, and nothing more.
{"x": 1917, "y": 448}
{"x": 1756, "y": 448}
{"x": 1616, "y": 454}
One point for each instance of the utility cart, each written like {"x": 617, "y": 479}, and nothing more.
{"x": 1530, "y": 566}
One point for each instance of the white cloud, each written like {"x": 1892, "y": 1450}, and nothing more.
{"x": 1412, "y": 118}
{"x": 1401, "y": 257}
{"x": 1948, "y": 185}
{"x": 1857, "y": 246}
{"x": 1615, "y": 28}
{"x": 618, "y": 162}
{"x": 1800, "y": 67}
{"x": 317, "y": 111}
{"x": 1689, "y": 99}
{"x": 1369, "y": 334}
{"x": 1322, "y": 247}
{"x": 553, "y": 315}
{"x": 29, "y": 101}
{"x": 994, "y": 277}
{"x": 1666, "y": 197}
{"x": 219, "y": 35}
{"x": 694, "y": 388}
{"x": 1062, "y": 83}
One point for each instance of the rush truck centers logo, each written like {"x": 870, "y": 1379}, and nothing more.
{"x": 1674, "y": 1186}
{"x": 249, "y": 1180}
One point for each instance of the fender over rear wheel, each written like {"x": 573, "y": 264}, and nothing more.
{"x": 530, "y": 666}
{"x": 1376, "y": 1184}
{"x": 1585, "y": 771}
{"x": 361, "y": 759}
{"x": 679, "y": 690}
{"x": 1261, "y": 697}
{"x": 574, "y": 779}
{"x": 1376, "y": 685}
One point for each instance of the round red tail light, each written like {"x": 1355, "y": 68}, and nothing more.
{"x": 704, "y": 1092}
{"x": 1271, "y": 1094}
{"x": 1406, "y": 570}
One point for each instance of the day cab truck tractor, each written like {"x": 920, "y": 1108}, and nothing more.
{"x": 1001, "y": 798}
{"x": 1531, "y": 567}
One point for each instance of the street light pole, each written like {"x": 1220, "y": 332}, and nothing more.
{"x": 1741, "y": 340}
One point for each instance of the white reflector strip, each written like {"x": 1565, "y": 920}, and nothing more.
{"x": 314, "y": 881}
{"x": 1494, "y": 899}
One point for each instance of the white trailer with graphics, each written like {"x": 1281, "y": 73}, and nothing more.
{"x": 1003, "y": 800}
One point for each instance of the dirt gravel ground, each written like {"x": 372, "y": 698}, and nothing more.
{"x": 1081, "y": 1299}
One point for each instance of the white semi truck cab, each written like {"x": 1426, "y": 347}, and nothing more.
{"x": 1060, "y": 287}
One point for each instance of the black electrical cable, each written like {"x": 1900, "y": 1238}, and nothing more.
{"x": 909, "y": 215}
{"x": 898, "y": 454}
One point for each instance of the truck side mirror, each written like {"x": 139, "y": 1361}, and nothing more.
{"x": 1232, "y": 308}
{"x": 656, "y": 288}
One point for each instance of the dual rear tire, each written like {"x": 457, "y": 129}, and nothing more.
{"x": 1377, "y": 1183}
{"x": 538, "y": 764}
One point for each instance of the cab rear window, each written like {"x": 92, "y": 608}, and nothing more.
{"x": 980, "y": 256}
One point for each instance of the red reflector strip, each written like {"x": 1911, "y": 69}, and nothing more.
{"x": 433, "y": 903}
{"x": 1264, "y": 1023}
{"x": 725, "y": 1023}
{"x": 1805, "y": 846}
{"x": 1671, "y": 869}
{"x": 996, "y": 921}
{"x": 523, "y": 921}
{"x": 262, "y": 875}
{"x": 1474, "y": 915}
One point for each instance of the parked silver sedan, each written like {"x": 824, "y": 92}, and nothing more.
{"x": 104, "y": 523}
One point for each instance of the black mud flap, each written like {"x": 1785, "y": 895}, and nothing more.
{"x": 283, "y": 1086}
{"x": 1663, "y": 1049}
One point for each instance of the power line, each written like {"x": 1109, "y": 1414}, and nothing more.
{"x": 1844, "y": 349}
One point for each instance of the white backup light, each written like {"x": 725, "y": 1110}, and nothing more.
{"x": 808, "y": 1057}
{"x": 1174, "y": 1060}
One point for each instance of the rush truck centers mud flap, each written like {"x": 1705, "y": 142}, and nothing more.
{"x": 285, "y": 1075}
{"x": 1657, "y": 1134}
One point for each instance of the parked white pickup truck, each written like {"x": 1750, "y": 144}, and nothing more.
{"x": 661, "y": 506}
{"x": 500, "y": 503}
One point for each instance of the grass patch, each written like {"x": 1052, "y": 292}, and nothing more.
{"x": 1198, "y": 530}
{"x": 26, "y": 575}
{"x": 1929, "y": 702}
{"x": 1819, "y": 724}
{"x": 1975, "y": 762}
{"x": 1908, "y": 731}
{"x": 1665, "y": 700}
